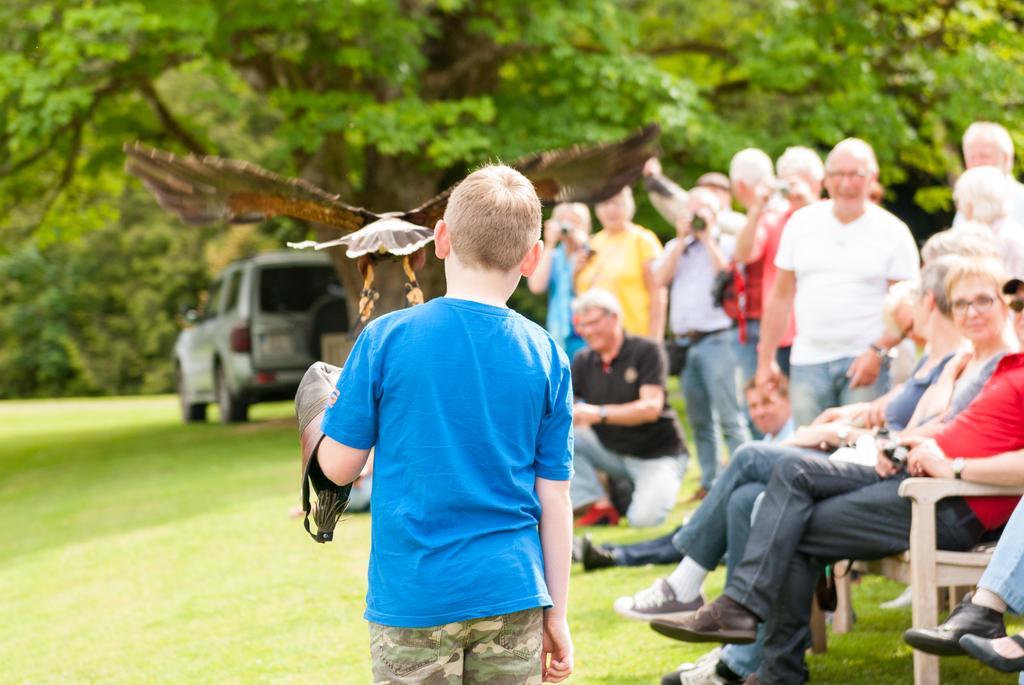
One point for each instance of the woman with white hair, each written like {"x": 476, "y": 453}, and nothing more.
{"x": 982, "y": 196}
{"x": 622, "y": 263}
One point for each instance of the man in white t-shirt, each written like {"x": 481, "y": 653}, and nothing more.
{"x": 988, "y": 144}
{"x": 836, "y": 261}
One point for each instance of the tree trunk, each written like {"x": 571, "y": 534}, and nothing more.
{"x": 392, "y": 184}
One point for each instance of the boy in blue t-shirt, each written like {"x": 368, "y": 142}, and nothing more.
{"x": 469, "y": 408}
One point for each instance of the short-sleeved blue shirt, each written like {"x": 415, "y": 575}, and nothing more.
{"x": 466, "y": 404}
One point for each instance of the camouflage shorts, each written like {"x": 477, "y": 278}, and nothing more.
{"x": 500, "y": 650}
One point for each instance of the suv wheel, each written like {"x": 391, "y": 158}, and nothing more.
{"x": 233, "y": 408}
{"x": 190, "y": 413}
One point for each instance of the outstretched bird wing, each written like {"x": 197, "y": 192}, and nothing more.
{"x": 582, "y": 173}
{"x": 205, "y": 190}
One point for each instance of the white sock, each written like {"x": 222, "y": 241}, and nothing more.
{"x": 987, "y": 598}
{"x": 686, "y": 579}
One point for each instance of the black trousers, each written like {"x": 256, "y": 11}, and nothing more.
{"x": 816, "y": 511}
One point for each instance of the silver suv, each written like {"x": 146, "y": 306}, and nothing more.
{"x": 259, "y": 331}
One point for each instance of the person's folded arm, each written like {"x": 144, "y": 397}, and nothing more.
{"x": 646, "y": 409}
{"x": 926, "y": 458}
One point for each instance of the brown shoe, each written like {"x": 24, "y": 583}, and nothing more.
{"x": 724, "y": 620}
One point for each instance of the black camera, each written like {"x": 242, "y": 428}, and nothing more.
{"x": 897, "y": 455}
{"x": 697, "y": 223}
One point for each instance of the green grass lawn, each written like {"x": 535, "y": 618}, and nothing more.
{"x": 137, "y": 550}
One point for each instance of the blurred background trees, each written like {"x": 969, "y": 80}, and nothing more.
{"x": 386, "y": 102}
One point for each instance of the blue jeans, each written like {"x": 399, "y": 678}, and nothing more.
{"x": 655, "y": 481}
{"x": 722, "y": 523}
{"x": 742, "y": 659}
{"x": 657, "y": 551}
{"x": 1005, "y": 573}
{"x": 709, "y": 388}
{"x": 816, "y": 510}
{"x": 814, "y": 388}
{"x": 711, "y": 531}
{"x": 746, "y": 353}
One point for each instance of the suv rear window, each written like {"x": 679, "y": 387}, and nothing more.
{"x": 294, "y": 288}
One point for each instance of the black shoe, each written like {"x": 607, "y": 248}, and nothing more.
{"x": 595, "y": 556}
{"x": 981, "y": 649}
{"x": 621, "y": 493}
{"x": 724, "y": 620}
{"x": 966, "y": 619}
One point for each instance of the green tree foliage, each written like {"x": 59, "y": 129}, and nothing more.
{"x": 387, "y": 102}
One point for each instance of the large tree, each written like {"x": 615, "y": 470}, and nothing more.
{"x": 388, "y": 101}
{"x": 382, "y": 102}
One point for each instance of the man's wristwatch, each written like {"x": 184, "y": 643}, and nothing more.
{"x": 602, "y": 413}
{"x": 958, "y": 467}
{"x": 879, "y": 351}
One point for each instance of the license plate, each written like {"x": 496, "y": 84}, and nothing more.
{"x": 277, "y": 343}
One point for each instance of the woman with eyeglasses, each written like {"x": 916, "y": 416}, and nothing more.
{"x": 964, "y": 320}
{"x": 974, "y": 291}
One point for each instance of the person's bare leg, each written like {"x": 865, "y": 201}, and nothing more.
{"x": 1006, "y": 647}
{"x": 987, "y": 598}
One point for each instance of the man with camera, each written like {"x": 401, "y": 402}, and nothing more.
{"x": 701, "y": 329}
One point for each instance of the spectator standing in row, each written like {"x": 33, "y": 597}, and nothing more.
{"x": 622, "y": 260}
{"x": 730, "y": 221}
{"x": 836, "y": 261}
{"x": 703, "y": 330}
{"x": 753, "y": 182}
{"x": 988, "y": 144}
{"x": 982, "y": 196}
{"x": 566, "y": 251}
{"x": 769, "y": 205}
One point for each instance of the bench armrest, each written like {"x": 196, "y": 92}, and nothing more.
{"x": 931, "y": 490}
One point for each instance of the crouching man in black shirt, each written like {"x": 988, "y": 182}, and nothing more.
{"x": 622, "y": 422}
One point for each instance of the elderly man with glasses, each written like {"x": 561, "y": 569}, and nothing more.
{"x": 836, "y": 261}
{"x": 623, "y": 425}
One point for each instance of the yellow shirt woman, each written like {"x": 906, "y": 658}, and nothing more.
{"x": 618, "y": 263}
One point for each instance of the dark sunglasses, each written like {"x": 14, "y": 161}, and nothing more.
{"x": 1016, "y": 304}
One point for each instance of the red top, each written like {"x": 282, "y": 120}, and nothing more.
{"x": 766, "y": 245}
{"x": 992, "y": 424}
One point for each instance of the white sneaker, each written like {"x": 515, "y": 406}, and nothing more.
{"x": 700, "y": 672}
{"x": 904, "y": 600}
{"x": 657, "y": 601}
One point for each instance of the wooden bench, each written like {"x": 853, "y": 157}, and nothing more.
{"x": 923, "y": 567}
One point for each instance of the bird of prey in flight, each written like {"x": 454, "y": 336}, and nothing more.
{"x": 210, "y": 190}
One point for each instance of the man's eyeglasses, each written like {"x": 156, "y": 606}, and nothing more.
{"x": 581, "y": 323}
{"x": 852, "y": 175}
{"x": 981, "y": 304}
